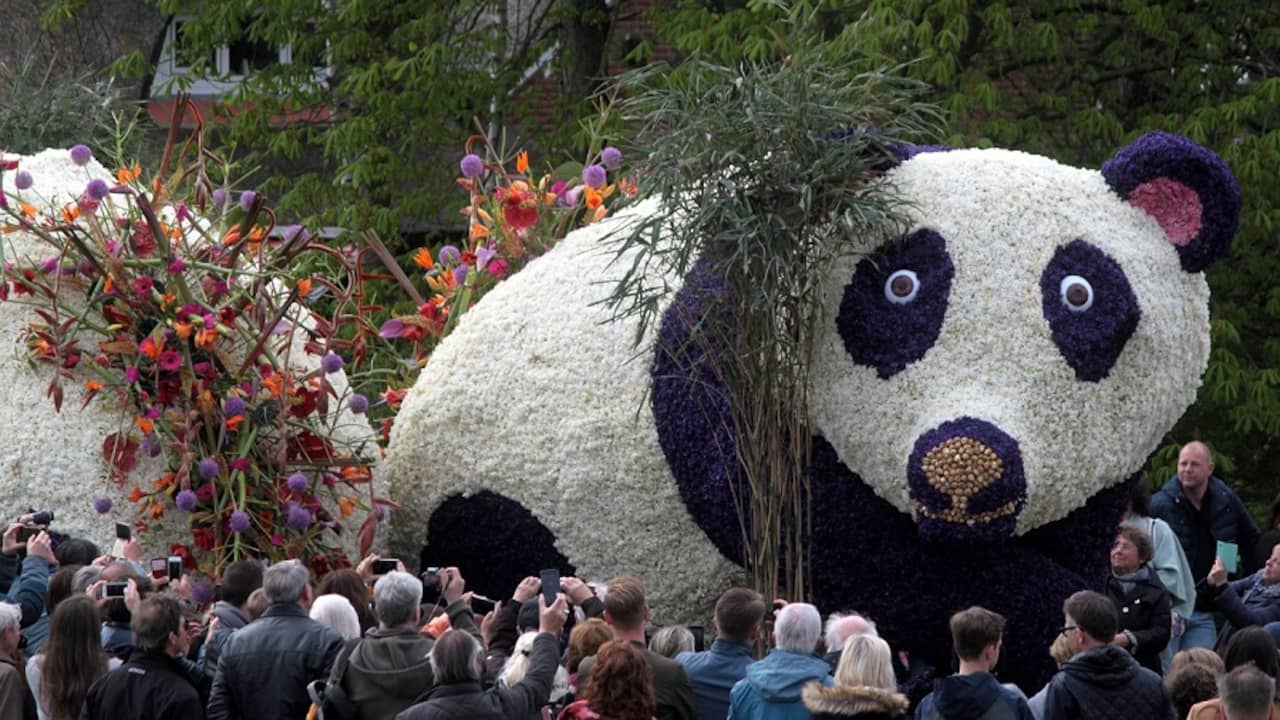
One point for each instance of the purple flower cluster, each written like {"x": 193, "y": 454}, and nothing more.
{"x": 186, "y": 501}
{"x": 471, "y": 165}
{"x": 331, "y": 362}
{"x": 239, "y": 521}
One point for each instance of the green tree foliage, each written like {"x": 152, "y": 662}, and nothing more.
{"x": 381, "y": 94}
{"x": 1076, "y": 81}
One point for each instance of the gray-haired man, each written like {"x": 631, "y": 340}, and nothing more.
{"x": 389, "y": 668}
{"x": 265, "y": 667}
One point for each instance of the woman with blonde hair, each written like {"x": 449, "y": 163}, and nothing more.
{"x": 864, "y": 685}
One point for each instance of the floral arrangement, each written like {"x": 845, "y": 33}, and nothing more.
{"x": 619, "y": 456}
{"x": 169, "y": 302}
{"x": 511, "y": 219}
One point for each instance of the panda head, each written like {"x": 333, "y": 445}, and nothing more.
{"x": 1030, "y": 338}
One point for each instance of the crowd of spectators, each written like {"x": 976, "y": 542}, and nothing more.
{"x": 88, "y": 636}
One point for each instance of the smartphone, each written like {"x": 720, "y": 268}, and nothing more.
{"x": 481, "y": 604}
{"x": 159, "y": 567}
{"x": 1230, "y": 554}
{"x": 174, "y": 567}
{"x": 550, "y": 585}
{"x": 386, "y": 565}
{"x": 124, "y": 532}
{"x": 26, "y": 532}
{"x": 114, "y": 589}
{"x": 699, "y": 642}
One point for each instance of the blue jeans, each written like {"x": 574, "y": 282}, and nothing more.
{"x": 1200, "y": 632}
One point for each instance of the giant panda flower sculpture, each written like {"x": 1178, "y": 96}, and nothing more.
{"x": 986, "y": 389}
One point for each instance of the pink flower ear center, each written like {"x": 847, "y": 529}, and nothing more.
{"x": 1174, "y": 205}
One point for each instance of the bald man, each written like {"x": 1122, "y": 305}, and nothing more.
{"x": 1202, "y": 511}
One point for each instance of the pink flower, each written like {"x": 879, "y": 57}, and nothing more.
{"x": 176, "y": 266}
{"x": 170, "y": 360}
{"x": 497, "y": 267}
{"x": 131, "y": 374}
{"x": 142, "y": 286}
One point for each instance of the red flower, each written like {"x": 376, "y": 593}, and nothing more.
{"x": 184, "y": 552}
{"x": 142, "y": 286}
{"x": 204, "y": 493}
{"x": 203, "y": 538}
{"x": 520, "y": 206}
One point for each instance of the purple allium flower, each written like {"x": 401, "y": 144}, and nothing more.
{"x": 297, "y": 482}
{"x": 23, "y": 180}
{"x": 102, "y": 505}
{"x": 208, "y": 468}
{"x": 219, "y": 197}
{"x": 358, "y": 403}
{"x": 232, "y": 406}
{"x": 151, "y": 445}
{"x": 290, "y": 233}
{"x": 611, "y": 157}
{"x": 81, "y": 155}
{"x": 97, "y": 189}
{"x": 298, "y": 518}
{"x": 239, "y": 521}
{"x": 460, "y": 274}
{"x": 471, "y": 165}
{"x": 246, "y": 200}
{"x": 594, "y": 176}
{"x": 331, "y": 362}
{"x": 186, "y": 501}
{"x": 201, "y": 593}
{"x": 449, "y": 255}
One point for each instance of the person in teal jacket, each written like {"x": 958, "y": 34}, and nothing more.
{"x": 773, "y": 686}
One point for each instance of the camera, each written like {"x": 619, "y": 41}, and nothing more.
{"x": 384, "y": 566}
{"x": 43, "y": 517}
{"x": 26, "y": 532}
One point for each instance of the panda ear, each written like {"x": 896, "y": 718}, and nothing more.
{"x": 1186, "y": 188}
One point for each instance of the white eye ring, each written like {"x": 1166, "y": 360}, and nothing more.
{"x": 897, "y": 278}
{"x": 1069, "y": 291}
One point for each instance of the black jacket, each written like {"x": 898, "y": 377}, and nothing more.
{"x": 265, "y": 667}
{"x": 976, "y": 696}
{"x": 151, "y": 686}
{"x": 841, "y": 702}
{"x": 671, "y": 688}
{"x": 470, "y": 701}
{"x": 1106, "y": 683}
{"x": 1146, "y": 612}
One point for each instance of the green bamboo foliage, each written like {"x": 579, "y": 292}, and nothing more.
{"x": 754, "y": 182}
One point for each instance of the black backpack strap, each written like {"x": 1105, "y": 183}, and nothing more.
{"x": 332, "y": 699}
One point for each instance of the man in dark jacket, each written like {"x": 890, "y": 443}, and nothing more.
{"x": 1102, "y": 681}
{"x": 265, "y": 667}
{"x": 1202, "y": 511}
{"x": 627, "y": 612}
{"x": 457, "y": 662}
{"x": 152, "y": 685}
{"x": 713, "y": 673}
{"x": 239, "y": 581}
{"x": 973, "y": 693}
{"x": 389, "y": 668}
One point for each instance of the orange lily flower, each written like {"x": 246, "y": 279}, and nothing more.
{"x": 93, "y": 385}
{"x": 422, "y": 258}
{"x": 522, "y": 162}
{"x": 145, "y": 425}
{"x": 346, "y": 506}
{"x": 304, "y": 286}
{"x": 233, "y": 422}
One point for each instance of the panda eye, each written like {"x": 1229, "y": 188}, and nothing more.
{"x": 1077, "y": 293}
{"x": 901, "y": 287}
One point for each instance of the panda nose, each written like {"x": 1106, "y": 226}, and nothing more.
{"x": 966, "y": 480}
{"x": 960, "y": 467}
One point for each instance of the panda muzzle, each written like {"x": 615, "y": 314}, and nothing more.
{"x": 966, "y": 482}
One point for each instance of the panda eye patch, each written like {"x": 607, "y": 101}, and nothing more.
{"x": 1090, "y": 320}
{"x": 1077, "y": 293}
{"x": 901, "y": 287}
{"x": 892, "y": 308}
